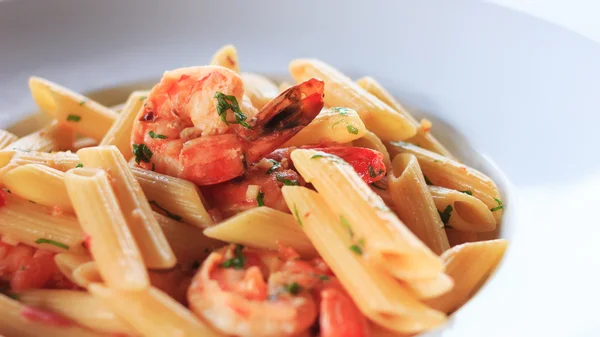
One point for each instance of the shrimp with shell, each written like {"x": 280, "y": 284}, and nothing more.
{"x": 193, "y": 125}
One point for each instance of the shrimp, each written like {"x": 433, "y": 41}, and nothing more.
{"x": 249, "y": 292}
{"x": 275, "y": 171}
{"x": 193, "y": 127}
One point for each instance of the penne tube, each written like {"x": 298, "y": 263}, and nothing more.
{"x": 83, "y": 142}
{"x": 337, "y": 125}
{"x": 390, "y": 243}
{"x": 86, "y": 274}
{"x": 465, "y": 212}
{"x": 61, "y": 161}
{"x": 414, "y": 204}
{"x": 79, "y": 307}
{"x": 152, "y": 313}
{"x": 119, "y": 133}
{"x": 36, "y": 226}
{"x": 371, "y": 141}
{"x": 67, "y": 263}
{"x": 111, "y": 243}
{"x": 259, "y": 89}
{"x": 459, "y": 237}
{"x": 178, "y": 198}
{"x": 445, "y": 172}
{"x": 146, "y": 231}
{"x": 431, "y": 288}
{"x": 188, "y": 243}
{"x": 40, "y": 184}
{"x": 20, "y": 320}
{"x": 53, "y": 137}
{"x": 378, "y": 295}
{"x": 422, "y": 138}
{"x": 226, "y": 57}
{"x": 387, "y": 123}
{"x": 6, "y": 138}
{"x": 78, "y": 112}
{"x": 263, "y": 227}
{"x": 469, "y": 265}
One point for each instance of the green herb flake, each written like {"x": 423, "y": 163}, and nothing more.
{"x": 329, "y": 156}
{"x": 153, "y": 167}
{"x": 236, "y": 262}
{"x": 287, "y": 182}
{"x": 13, "y": 296}
{"x": 346, "y": 225}
{"x": 297, "y": 216}
{"x": 167, "y": 213}
{"x": 51, "y": 242}
{"x": 275, "y": 166}
{"x": 467, "y": 192}
{"x": 499, "y": 207}
{"x": 323, "y": 277}
{"x": 259, "y": 199}
{"x": 293, "y": 288}
{"x": 229, "y": 102}
{"x": 142, "y": 153}
{"x": 427, "y": 181}
{"x": 73, "y": 118}
{"x": 436, "y": 160}
{"x": 353, "y": 130}
{"x": 143, "y": 98}
{"x": 79, "y": 165}
{"x": 356, "y": 249}
{"x": 445, "y": 215}
{"x": 154, "y": 135}
{"x": 82, "y": 102}
{"x": 341, "y": 111}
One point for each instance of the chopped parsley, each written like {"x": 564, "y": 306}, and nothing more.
{"x": 378, "y": 187}
{"x": 167, "y": 213}
{"x": 333, "y": 157}
{"x": 467, "y": 192}
{"x": 229, "y": 102}
{"x": 14, "y": 296}
{"x": 51, "y": 242}
{"x": 436, "y": 160}
{"x": 142, "y": 153}
{"x": 356, "y": 249}
{"x": 82, "y": 102}
{"x": 323, "y": 277}
{"x": 500, "y": 205}
{"x": 79, "y": 165}
{"x": 346, "y": 225}
{"x": 156, "y": 135}
{"x": 445, "y": 215}
{"x": 351, "y": 129}
{"x": 275, "y": 166}
{"x": 143, "y": 98}
{"x": 153, "y": 167}
{"x": 73, "y": 118}
{"x": 236, "y": 262}
{"x": 259, "y": 199}
{"x": 372, "y": 172}
{"x": 427, "y": 181}
{"x": 297, "y": 216}
{"x": 293, "y": 288}
{"x": 341, "y": 111}
{"x": 287, "y": 182}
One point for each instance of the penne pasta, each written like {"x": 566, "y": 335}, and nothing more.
{"x": 152, "y": 313}
{"x": 465, "y": 212}
{"x": 72, "y": 109}
{"x": 431, "y": 288}
{"x": 226, "y": 57}
{"x": 61, "y": 161}
{"x": 259, "y": 89}
{"x": 335, "y": 125}
{"x": 36, "y": 226}
{"x": 67, "y": 263}
{"x": 469, "y": 265}
{"x": 53, "y": 137}
{"x": 371, "y": 141}
{"x": 263, "y": 227}
{"x": 79, "y": 307}
{"x": 20, "y": 321}
{"x": 445, "y": 172}
{"x": 6, "y": 138}
{"x": 40, "y": 184}
{"x": 83, "y": 142}
{"x": 390, "y": 243}
{"x": 459, "y": 237}
{"x": 146, "y": 232}
{"x": 179, "y": 199}
{"x": 340, "y": 90}
{"x": 381, "y": 298}
{"x": 423, "y": 138}
{"x": 119, "y": 133}
{"x": 86, "y": 274}
{"x": 111, "y": 243}
{"x": 414, "y": 204}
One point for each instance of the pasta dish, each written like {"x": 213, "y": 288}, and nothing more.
{"x": 221, "y": 203}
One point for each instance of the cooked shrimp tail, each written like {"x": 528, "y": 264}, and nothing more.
{"x": 340, "y": 317}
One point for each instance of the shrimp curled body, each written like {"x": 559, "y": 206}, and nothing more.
{"x": 193, "y": 127}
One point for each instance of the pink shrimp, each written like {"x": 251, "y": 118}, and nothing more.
{"x": 193, "y": 127}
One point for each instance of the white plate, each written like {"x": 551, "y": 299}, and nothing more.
{"x": 519, "y": 90}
